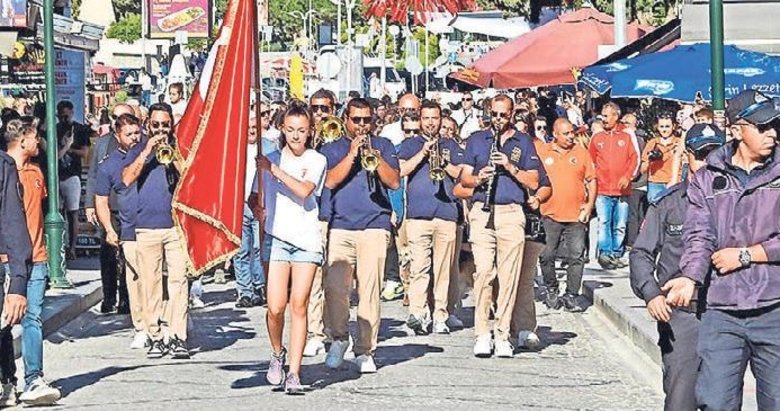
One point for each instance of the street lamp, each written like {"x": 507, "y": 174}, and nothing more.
{"x": 54, "y": 223}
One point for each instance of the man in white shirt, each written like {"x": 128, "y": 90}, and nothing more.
{"x": 467, "y": 117}
{"x": 393, "y": 131}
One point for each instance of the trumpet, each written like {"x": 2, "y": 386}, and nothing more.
{"x": 329, "y": 130}
{"x": 164, "y": 153}
{"x": 369, "y": 157}
{"x": 436, "y": 162}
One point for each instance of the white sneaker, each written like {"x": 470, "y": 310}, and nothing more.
{"x": 139, "y": 341}
{"x": 314, "y": 346}
{"x": 528, "y": 339}
{"x": 483, "y": 347}
{"x": 454, "y": 322}
{"x": 366, "y": 364}
{"x": 39, "y": 392}
{"x": 504, "y": 349}
{"x": 8, "y": 399}
{"x": 335, "y": 356}
{"x": 440, "y": 327}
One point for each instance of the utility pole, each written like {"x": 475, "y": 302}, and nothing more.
{"x": 620, "y": 23}
{"x": 716, "y": 62}
{"x": 54, "y": 223}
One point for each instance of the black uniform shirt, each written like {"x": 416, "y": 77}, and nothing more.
{"x": 660, "y": 237}
{"x": 14, "y": 237}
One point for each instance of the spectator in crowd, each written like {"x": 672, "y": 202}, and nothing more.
{"x": 73, "y": 140}
{"x": 615, "y": 158}
{"x": 468, "y": 116}
{"x": 23, "y": 145}
{"x": 657, "y": 156}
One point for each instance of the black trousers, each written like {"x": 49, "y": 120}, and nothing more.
{"x": 637, "y": 207}
{"x": 678, "y": 341}
{"x": 567, "y": 242}
{"x": 392, "y": 263}
{"x": 7, "y": 355}
{"x": 112, "y": 270}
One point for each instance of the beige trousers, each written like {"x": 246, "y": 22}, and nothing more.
{"x": 135, "y": 290}
{"x": 455, "y": 292}
{"x": 498, "y": 254}
{"x": 432, "y": 243}
{"x": 317, "y": 296}
{"x": 524, "y": 313}
{"x": 154, "y": 247}
{"x": 348, "y": 249}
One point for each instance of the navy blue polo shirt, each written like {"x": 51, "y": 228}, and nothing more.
{"x": 155, "y": 196}
{"x": 521, "y": 152}
{"x": 353, "y": 205}
{"x": 428, "y": 199}
{"x": 108, "y": 180}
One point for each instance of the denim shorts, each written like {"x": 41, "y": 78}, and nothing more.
{"x": 284, "y": 251}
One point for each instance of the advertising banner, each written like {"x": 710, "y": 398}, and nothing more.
{"x": 166, "y": 17}
{"x": 13, "y": 13}
{"x": 69, "y": 80}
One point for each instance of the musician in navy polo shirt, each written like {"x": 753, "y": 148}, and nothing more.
{"x": 109, "y": 183}
{"x": 500, "y": 164}
{"x": 156, "y": 236}
{"x": 430, "y": 164}
{"x": 361, "y": 168}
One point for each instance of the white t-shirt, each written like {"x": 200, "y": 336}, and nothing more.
{"x": 179, "y": 107}
{"x": 289, "y": 218}
{"x": 469, "y": 123}
{"x": 393, "y": 132}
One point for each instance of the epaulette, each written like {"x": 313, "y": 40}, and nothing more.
{"x": 105, "y": 157}
{"x": 666, "y": 193}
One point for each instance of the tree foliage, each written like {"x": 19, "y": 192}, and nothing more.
{"x": 285, "y": 16}
{"x": 126, "y": 30}
{"x": 124, "y": 8}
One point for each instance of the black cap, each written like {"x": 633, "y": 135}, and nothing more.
{"x": 702, "y": 136}
{"x": 753, "y": 107}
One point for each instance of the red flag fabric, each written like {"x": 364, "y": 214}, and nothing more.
{"x": 397, "y": 10}
{"x": 212, "y": 138}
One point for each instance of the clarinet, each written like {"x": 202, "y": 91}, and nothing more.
{"x": 489, "y": 205}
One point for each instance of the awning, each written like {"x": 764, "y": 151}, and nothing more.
{"x": 662, "y": 38}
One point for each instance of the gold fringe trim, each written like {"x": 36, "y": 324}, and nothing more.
{"x": 229, "y": 22}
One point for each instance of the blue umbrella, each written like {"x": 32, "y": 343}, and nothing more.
{"x": 683, "y": 72}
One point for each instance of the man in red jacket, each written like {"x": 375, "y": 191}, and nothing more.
{"x": 615, "y": 158}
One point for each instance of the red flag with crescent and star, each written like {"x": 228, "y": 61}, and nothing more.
{"x": 212, "y": 138}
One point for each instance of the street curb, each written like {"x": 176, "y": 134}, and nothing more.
{"x": 62, "y": 306}
{"x": 611, "y": 296}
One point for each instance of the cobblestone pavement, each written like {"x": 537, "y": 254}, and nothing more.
{"x": 585, "y": 365}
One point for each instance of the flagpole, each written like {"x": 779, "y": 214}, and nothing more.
{"x": 258, "y": 86}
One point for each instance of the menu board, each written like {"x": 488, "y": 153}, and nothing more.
{"x": 166, "y": 17}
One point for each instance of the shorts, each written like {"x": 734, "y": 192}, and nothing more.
{"x": 286, "y": 252}
{"x": 71, "y": 193}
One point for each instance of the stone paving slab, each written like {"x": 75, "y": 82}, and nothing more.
{"x": 585, "y": 365}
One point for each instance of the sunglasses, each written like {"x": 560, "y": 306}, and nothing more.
{"x": 158, "y": 124}
{"x": 265, "y": 113}
{"x": 320, "y": 107}
{"x": 468, "y": 99}
{"x": 411, "y": 130}
{"x": 361, "y": 120}
{"x": 500, "y": 115}
{"x": 667, "y": 116}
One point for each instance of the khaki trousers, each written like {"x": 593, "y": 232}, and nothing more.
{"x": 498, "y": 254}
{"x": 524, "y": 313}
{"x": 317, "y": 296}
{"x": 432, "y": 243}
{"x": 455, "y": 292}
{"x": 135, "y": 291}
{"x": 154, "y": 247}
{"x": 367, "y": 250}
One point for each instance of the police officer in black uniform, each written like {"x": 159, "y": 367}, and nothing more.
{"x": 661, "y": 237}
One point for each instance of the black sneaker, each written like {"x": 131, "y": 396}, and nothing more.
{"x": 416, "y": 325}
{"x": 123, "y": 308}
{"x": 570, "y": 303}
{"x": 551, "y": 300}
{"x": 606, "y": 262}
{"x": 258, "y": 298}
{"x": 179, "y": 349}
{"x": 158, "y": 349}
{"x": 244, "y": 302}
{"x": 107, "y": 307}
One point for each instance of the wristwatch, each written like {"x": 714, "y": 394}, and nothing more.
{"x": 744, "y": 257}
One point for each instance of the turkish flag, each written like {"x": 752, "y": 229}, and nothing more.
{"x": 208, "y": 203}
